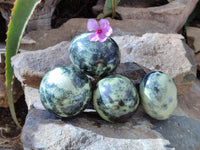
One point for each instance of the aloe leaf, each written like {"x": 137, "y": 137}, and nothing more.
{"x": 113, "y": 8}
{"x": 20, "y": 16}
{"x": 110, "y": 7}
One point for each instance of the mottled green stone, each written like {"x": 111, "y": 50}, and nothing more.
{"x": 94, "y": 58}
{"x": 115, "y": 98}
{"x": 65, "y": 91}
{"x": 158, "y": 95}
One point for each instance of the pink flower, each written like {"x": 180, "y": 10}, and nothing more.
{"x": 102, "y": 31}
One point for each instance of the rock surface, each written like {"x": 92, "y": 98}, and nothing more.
{"x": 164, "y": 52}
{"x": 89, "y": 131}
{"x": 172, "y": 15}
{"x": 197, "y": 60}
{"x": 73, "y": 27}
{"x": 46, "y": 38}
{"x": 32, "y": 97}
{"x": 190, "y": 102}
{"x": 30, "y": 67}
{"x": 193, "y": 38}
{"x": 41, "y": 18}
{"x": 132, "y": 71}
{"x": 7, "y": 1}
{"x": 168, "y": 18}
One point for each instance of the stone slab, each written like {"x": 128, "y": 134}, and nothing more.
{"x": 88, "y": 131}
{"x": 173, "y": 15}
{"x": 168, "y": 18}
{"x": 43, "y": 130}
{"x": 163, "y": 52}
{"x": 30, "y": 67}
{"x": 193, "y": 38}
{"x": 46, "y": 38}
{"x": 190, "y": 102}
{"x": 41, "y": 17}
{"x": 197, "y": 60}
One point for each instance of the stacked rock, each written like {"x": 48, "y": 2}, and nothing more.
{"x": 66, "y": 91}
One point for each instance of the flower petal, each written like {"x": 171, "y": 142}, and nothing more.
{"x": 103, "y": 23}
{"x": 107, "y": 31}
{"x": 92, "y": 25}
{"x": 94, "y": 37}
{"x": 102, "y": 38}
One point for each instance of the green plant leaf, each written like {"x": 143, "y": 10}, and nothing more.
{"x": 101, "y": 15}
{"x": 20, "y": 16}
{"x": 110, "y": 7}
{"x": 114, "y": 5}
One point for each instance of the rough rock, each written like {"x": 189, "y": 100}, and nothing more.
{"x": 98, "y": 8}
{"x": 197, "y": 60}
{"x": 32, "y": 98}
{"x": 172, "y": 15}
{"x": 193, "y": 38}
{"x": 7, "y": 1}
{"x": 41, "y": 18}
{"x": 46, "y": 38}
{"x": 168, "y": 18}
{"x": 5, "y": 9}
{"x": 30, "y": 67}
{"x": 73, "y": 27}
{"x": 132, "y": 71}
{"x": 27, "y": 40}
{"x": 44, "y": 130}
{"x": 2, "y": 60}
{"x": 164, "y": 52}
{"x": 88, "y": 131}
{"x": 189, "y": 102}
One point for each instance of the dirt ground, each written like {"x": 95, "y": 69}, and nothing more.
{"x": 9, "y": 132}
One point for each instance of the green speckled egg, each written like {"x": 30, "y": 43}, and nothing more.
{"x": 65, "y": 91}
{"x": 115, "y": 98}
{"x": 94, "y": 58}
{"x": 158, "y": 95}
